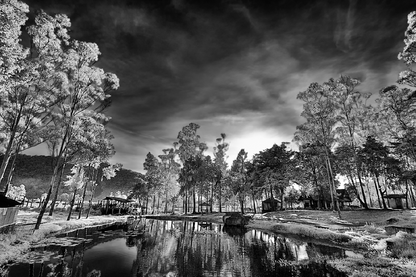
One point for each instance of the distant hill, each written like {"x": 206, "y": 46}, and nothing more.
{"x": 35, "y": 173}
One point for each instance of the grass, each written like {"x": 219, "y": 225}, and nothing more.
{"x": 14, "y": 245}
{"x": 403, "y": 245}
{"x": 375, "y": 267}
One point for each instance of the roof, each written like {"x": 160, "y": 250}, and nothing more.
{"x": 394, "y": 195}
{"x": 8, "y": 202}
{"x": 271, "y": 200}
{"x": 342, "y": 195}
{"x": 119, "y": 199}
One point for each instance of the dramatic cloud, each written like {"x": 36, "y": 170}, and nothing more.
{"x": 233, "y": 67}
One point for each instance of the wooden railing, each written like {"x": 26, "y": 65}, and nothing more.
{"x": 7, "y": 217}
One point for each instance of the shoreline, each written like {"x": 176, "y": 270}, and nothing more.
{"x": 307, "y": 226}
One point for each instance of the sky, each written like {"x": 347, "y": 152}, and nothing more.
{"x": 231, "y": 66}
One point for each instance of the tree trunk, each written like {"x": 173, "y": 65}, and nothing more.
{"x": 6, "y": 159}
{"x": 82, "y": 200}
{"x": 369, "y": 196}
{"x": 219, "y": 198}
{"x": 90, "y": 201}
{"x": 186, "y": 201}
{"x": 332, "y": 183}
{"x": 378, "y": 194}
{"x": 194, "y": 200}
{"x": 48, "y": 195}
{"x": 407, "y": 194}
{"x": 55, "y": 198}
{"x": 166, "y": 201}
{"x": 412, "y": 196}
{"x": 147, "y": 202}
{"x": 154, "y": 203}
{"x": 212, "y": 196}
{"x": 71, "y": 205}
{"x": 12, "y": 167}
{"x": 254, "y": 203}
{"x": 282, "y": 199}
{"x": 381, "y": 193}
{"x": 242, "y": 205}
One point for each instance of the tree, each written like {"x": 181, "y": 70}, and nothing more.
{"x": 34, "y": 85}
{"x": 374, "y": 155}
{"x": 152, "y": 167}
{"x": 275, "y": 166}
{"x": 190, "y": 147}
{"x": 220, "y": 165}
{"x": 75, "y": 182}
{"x": 86, "y": 95}
{"x": 169, "y": 169}
{"x": 239, "y": 178}
{"x": 319, "y": 110}
{"x": 310, "y": 172}
{"x": 350, "y": 105}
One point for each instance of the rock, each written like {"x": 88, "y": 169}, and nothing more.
{"x": 235, "y": 219}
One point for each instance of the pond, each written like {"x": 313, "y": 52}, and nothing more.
{"x": 177, "y": 248}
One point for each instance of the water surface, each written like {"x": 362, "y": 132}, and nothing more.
{"x": 178, "y": 248}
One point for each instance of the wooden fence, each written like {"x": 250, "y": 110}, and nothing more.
{"x": 8, "y": 218}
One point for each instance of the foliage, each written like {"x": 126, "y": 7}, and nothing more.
{"x": 17, "y": 192}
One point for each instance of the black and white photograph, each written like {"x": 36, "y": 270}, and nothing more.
{"x": 187, "y": 138}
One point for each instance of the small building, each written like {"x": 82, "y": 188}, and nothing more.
{"x": 395, "y": 200}
{"x": 269, "y": 205}
{"x": 115, "y": 205}
{"x": 343, "y": 197}
{"x": 8, "y": 212}
{"x": 311, "y": 202}
{"x": 206, "y": 206}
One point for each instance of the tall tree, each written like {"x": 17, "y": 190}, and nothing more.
{"x": 153, "y": 176}
{"x": 276, "y": 167}
{"x": 350, "y": 110}
{"x": 86, "y": 94}
{"x": 34, "y": 85}
{"x": 190, "y": 147}
{"x": 319, "y": 110}
{"x": 169, "y": 175}
{"x": 220, "y": 165}
{"x": 240, "y": 182}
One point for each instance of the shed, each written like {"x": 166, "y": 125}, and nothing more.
{"x": 343, "y": 197}
{"x": 8, "y": 212}
{"x": 312, "y": 202}
{"x": 395, "y": 200}
{"x": 206, "y": 206}
{"x": 269, "y": 205}
{"x": 115, "y": 205}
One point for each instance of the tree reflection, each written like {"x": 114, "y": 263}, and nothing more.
{"x": 169, "y": 248}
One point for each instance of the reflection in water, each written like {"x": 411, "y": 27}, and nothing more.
{"x": 176, "y": 248}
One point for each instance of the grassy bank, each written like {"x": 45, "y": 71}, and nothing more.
{"x": 13, "y": 246}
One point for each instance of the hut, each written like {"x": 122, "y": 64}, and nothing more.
{"x": 269, "y": 205}
{"x": 206, "y": 206}
{"x": 8, "y": 212}
{"x": 395, "y": 200}
{"x": 343, "y": 197}
{"x": 115, "y": 205}
{"x": 312, "y": 202}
